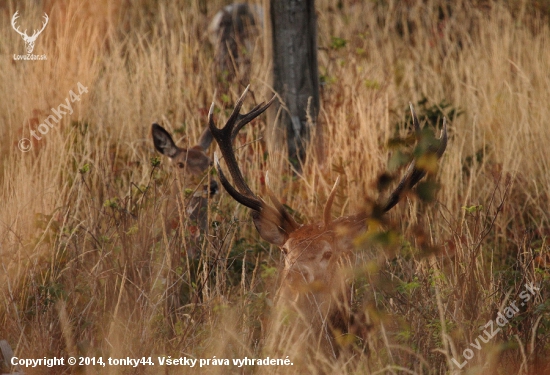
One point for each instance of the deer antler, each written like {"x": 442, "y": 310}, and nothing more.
{"x": 411, "y": 177}
{"x": 242, "y": 192}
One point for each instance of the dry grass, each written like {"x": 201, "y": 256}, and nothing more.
{"x": 87, "y": 266}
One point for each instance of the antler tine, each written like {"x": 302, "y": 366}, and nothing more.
{"x": 242, "y": 120}
{"x": 416, "y": 123}
{"x": 442, "y": 139}
{"x": 236, "y": 112}
{"x": 328, "y": 205}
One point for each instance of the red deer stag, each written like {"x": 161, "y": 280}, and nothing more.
{"x": 313, "y": 286}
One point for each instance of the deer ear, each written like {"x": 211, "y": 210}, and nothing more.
{"x": 205, "y": 139}
{"x": 268, "y": 230}
{"x": 163, "y": 141}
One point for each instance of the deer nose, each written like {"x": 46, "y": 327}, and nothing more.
{"x": 213, "y": 187}
{"x": 300, "y": 276}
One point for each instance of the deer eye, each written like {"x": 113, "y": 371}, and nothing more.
{"x": 181, "y": 165}
{"x": 327, "y": 255}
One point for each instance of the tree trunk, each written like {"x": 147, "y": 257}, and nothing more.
{"x": 295, "y": 72}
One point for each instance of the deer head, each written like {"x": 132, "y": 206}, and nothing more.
{"x": 311, "y": 280}
{"x": 29, "y": 40}
{"x": 190, "y": 164}
{"x": 193, "y": 161}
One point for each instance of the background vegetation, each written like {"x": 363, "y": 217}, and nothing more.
{"x": 88, "y": 265}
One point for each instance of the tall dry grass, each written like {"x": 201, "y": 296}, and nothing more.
{"x": 88, "y": 267}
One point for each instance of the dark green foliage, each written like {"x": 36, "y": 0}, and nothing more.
{"x": 433, "y": 114}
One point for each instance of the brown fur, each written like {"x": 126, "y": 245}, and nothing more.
{"x": 190, "y": 165}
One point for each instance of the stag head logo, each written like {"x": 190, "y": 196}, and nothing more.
{"x": 29, "y": 40}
